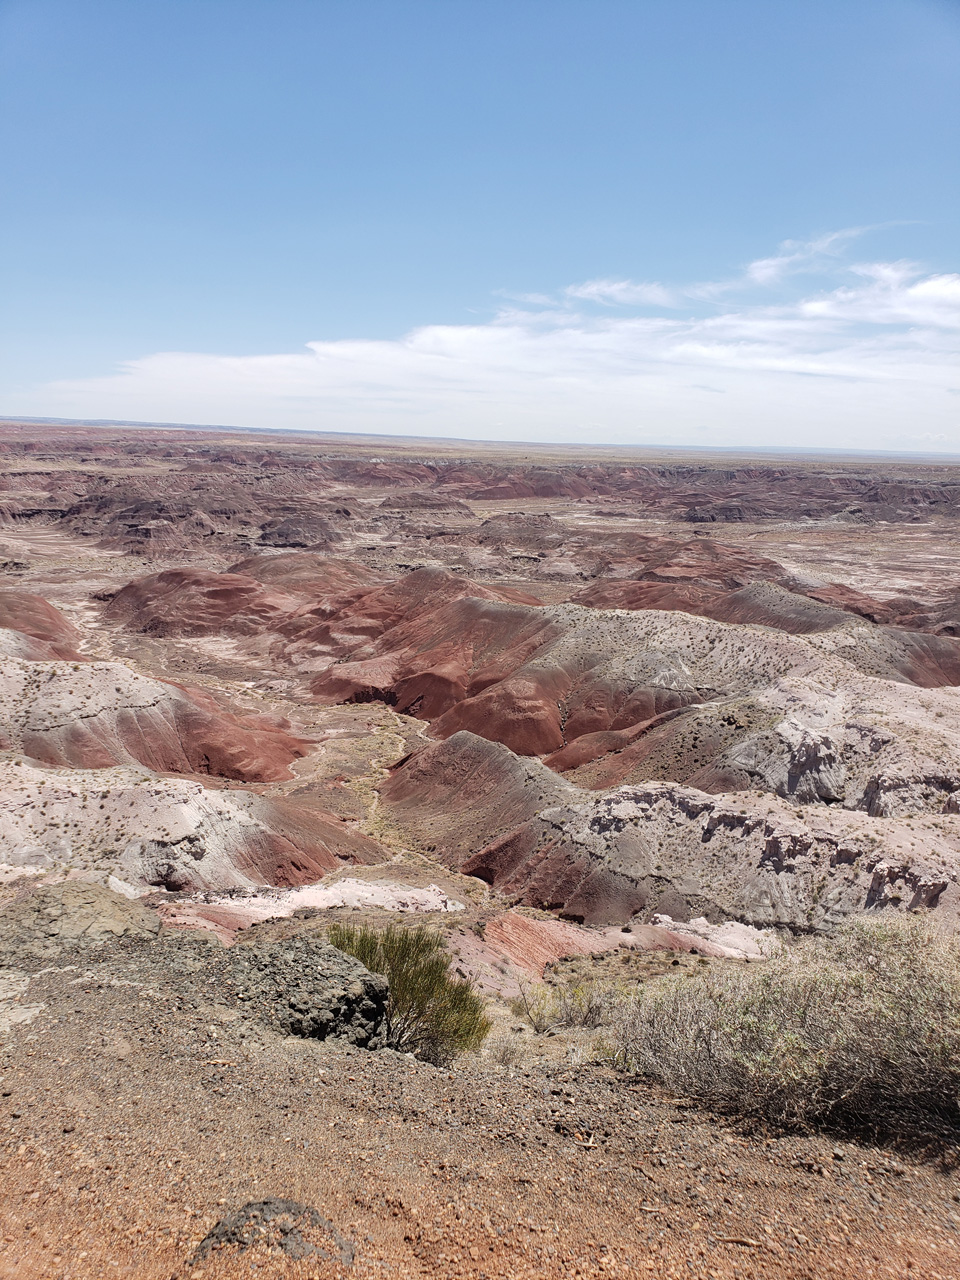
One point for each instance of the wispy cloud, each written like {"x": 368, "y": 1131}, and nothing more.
{"x": 893, "y": 293}
{"x": 622, "y": 293}
{"x": 795, "y": 256}
{"x": 866, "y": 360}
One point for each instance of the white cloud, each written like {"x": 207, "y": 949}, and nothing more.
{"x": 869, "y": 363}
{"x": 621, "y": 293}
{"x": 894, "y": 293}
{"x": 801, "y": 255}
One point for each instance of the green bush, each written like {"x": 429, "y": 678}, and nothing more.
{"x": 857, "y": 1032}
{"x": 429, "y": 1012}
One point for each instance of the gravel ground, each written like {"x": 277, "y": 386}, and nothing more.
{"x": 142, "y": 1107}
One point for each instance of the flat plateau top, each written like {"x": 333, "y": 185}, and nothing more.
{"x": 46, "y": 438}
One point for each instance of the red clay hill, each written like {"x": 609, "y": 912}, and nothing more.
{"x": 568, "y": 682}
{"x": 62, "y": 709}
{"x": 31, "y": 615}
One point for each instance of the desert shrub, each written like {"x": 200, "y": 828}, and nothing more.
{"x": 430, "y": 1012}
{"x": 536, "y": 1006}
{"x": 572, "y": 1004}
{"x": 858, "y": 1032}
{"x": 584, "y": 1004}
{"x": 507, "y": 1050}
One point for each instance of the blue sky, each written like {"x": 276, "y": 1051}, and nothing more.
{"x": 663, "y": 221}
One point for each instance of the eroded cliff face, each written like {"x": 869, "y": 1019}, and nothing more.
{"x": 604, "y": 858}
{"x": 165, "y": 832}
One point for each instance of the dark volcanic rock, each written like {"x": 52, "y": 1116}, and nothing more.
{"x": 303, "y": 987}
{"x": 276, "y": 1224}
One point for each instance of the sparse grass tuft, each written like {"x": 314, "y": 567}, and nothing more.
{"x": 506, "y": 1050}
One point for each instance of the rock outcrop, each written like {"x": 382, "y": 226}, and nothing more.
{"x": 667, "y": 849}
{"x": 51, "y": 917}
{"x": 303, "y": 987}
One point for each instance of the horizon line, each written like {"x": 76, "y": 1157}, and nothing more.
{"x": 779, "y": 450}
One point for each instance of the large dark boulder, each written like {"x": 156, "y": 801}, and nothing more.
{"x": 303, "y": 987}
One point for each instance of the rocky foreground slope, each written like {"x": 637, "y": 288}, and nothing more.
{"x": 157, "y": 1123}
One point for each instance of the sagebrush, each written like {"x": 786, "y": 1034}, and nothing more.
{"x": 430, "y": 1012}
{"x": 507, "y": 1050}
{"x": 587, "y": 1005}
{"x": 859, "y": 1031}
